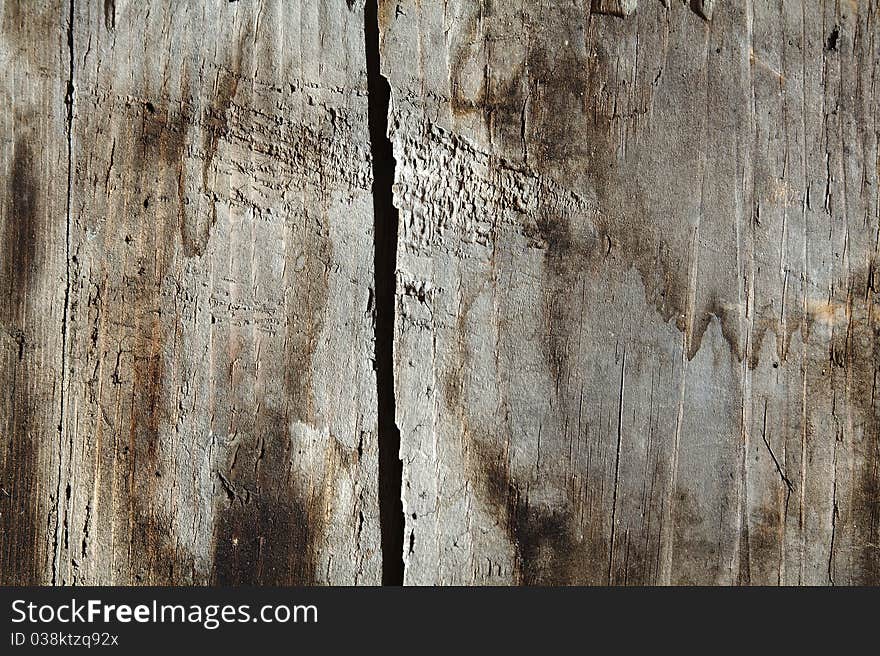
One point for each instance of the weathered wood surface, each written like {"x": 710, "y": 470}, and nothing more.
{"x": 33, "y": 264}
{"x": 635, "y": 338}
{"x": 636, "y": 335}
{"x": 212, "y": 417}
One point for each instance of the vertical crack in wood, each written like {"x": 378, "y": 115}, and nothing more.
{"x": 617, "y": 467}
{"x": 110, "y": 14}
{"x": 61, "y": 520}
{"x": 385, "y": 266}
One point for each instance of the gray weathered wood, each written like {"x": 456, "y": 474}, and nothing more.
{"x": 219, "y": 405}
{"x": 636, "y": 336}
{"x": 33, "y": 264}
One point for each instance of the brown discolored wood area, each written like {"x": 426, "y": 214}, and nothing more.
{"x": 472, "y": 292}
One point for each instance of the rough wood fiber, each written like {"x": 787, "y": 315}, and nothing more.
{"x": 615, "y": 7}
{"x": 33, "y": 203}
{"x": 636, "y": 337}
{"x": 219, "y": 404}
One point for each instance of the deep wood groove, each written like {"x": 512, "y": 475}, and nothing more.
{"x": 385, "y": 249}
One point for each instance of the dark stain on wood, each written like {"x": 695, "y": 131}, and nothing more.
{"x": 703, "y": 8}
{"x": 559, "y": 105}
{"x": 831, "y": 43}
{"x": 269, "y": 544}
{"x": 569, "y": 248}
{"x": 267, "y": 532}
{"x": 761, "y": 545}
{"x": 147, "y": 411}
{"x": 20, "y": 528}
{"x": 453, "y": 384}
{"x": 627, "y": 219}
{"x": 550, "y": 549}
{"x": 110, "y": 14}
{"x": 500, "y": 103}
{"x": 21, "y": 227}
{"x": 562, "y": 106}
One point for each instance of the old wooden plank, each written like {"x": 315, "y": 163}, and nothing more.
{"x": 636, "y": 328}
{"x": 33, "y": 207}
{"x": 635, "y": 337}
{"x": 221, "y": 422}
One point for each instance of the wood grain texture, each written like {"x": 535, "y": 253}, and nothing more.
{"x": 636, "y": 337}
{"x": 219, "y": 403}
{"x": 615, "y": 7}
{"x": 34, "y": 160}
